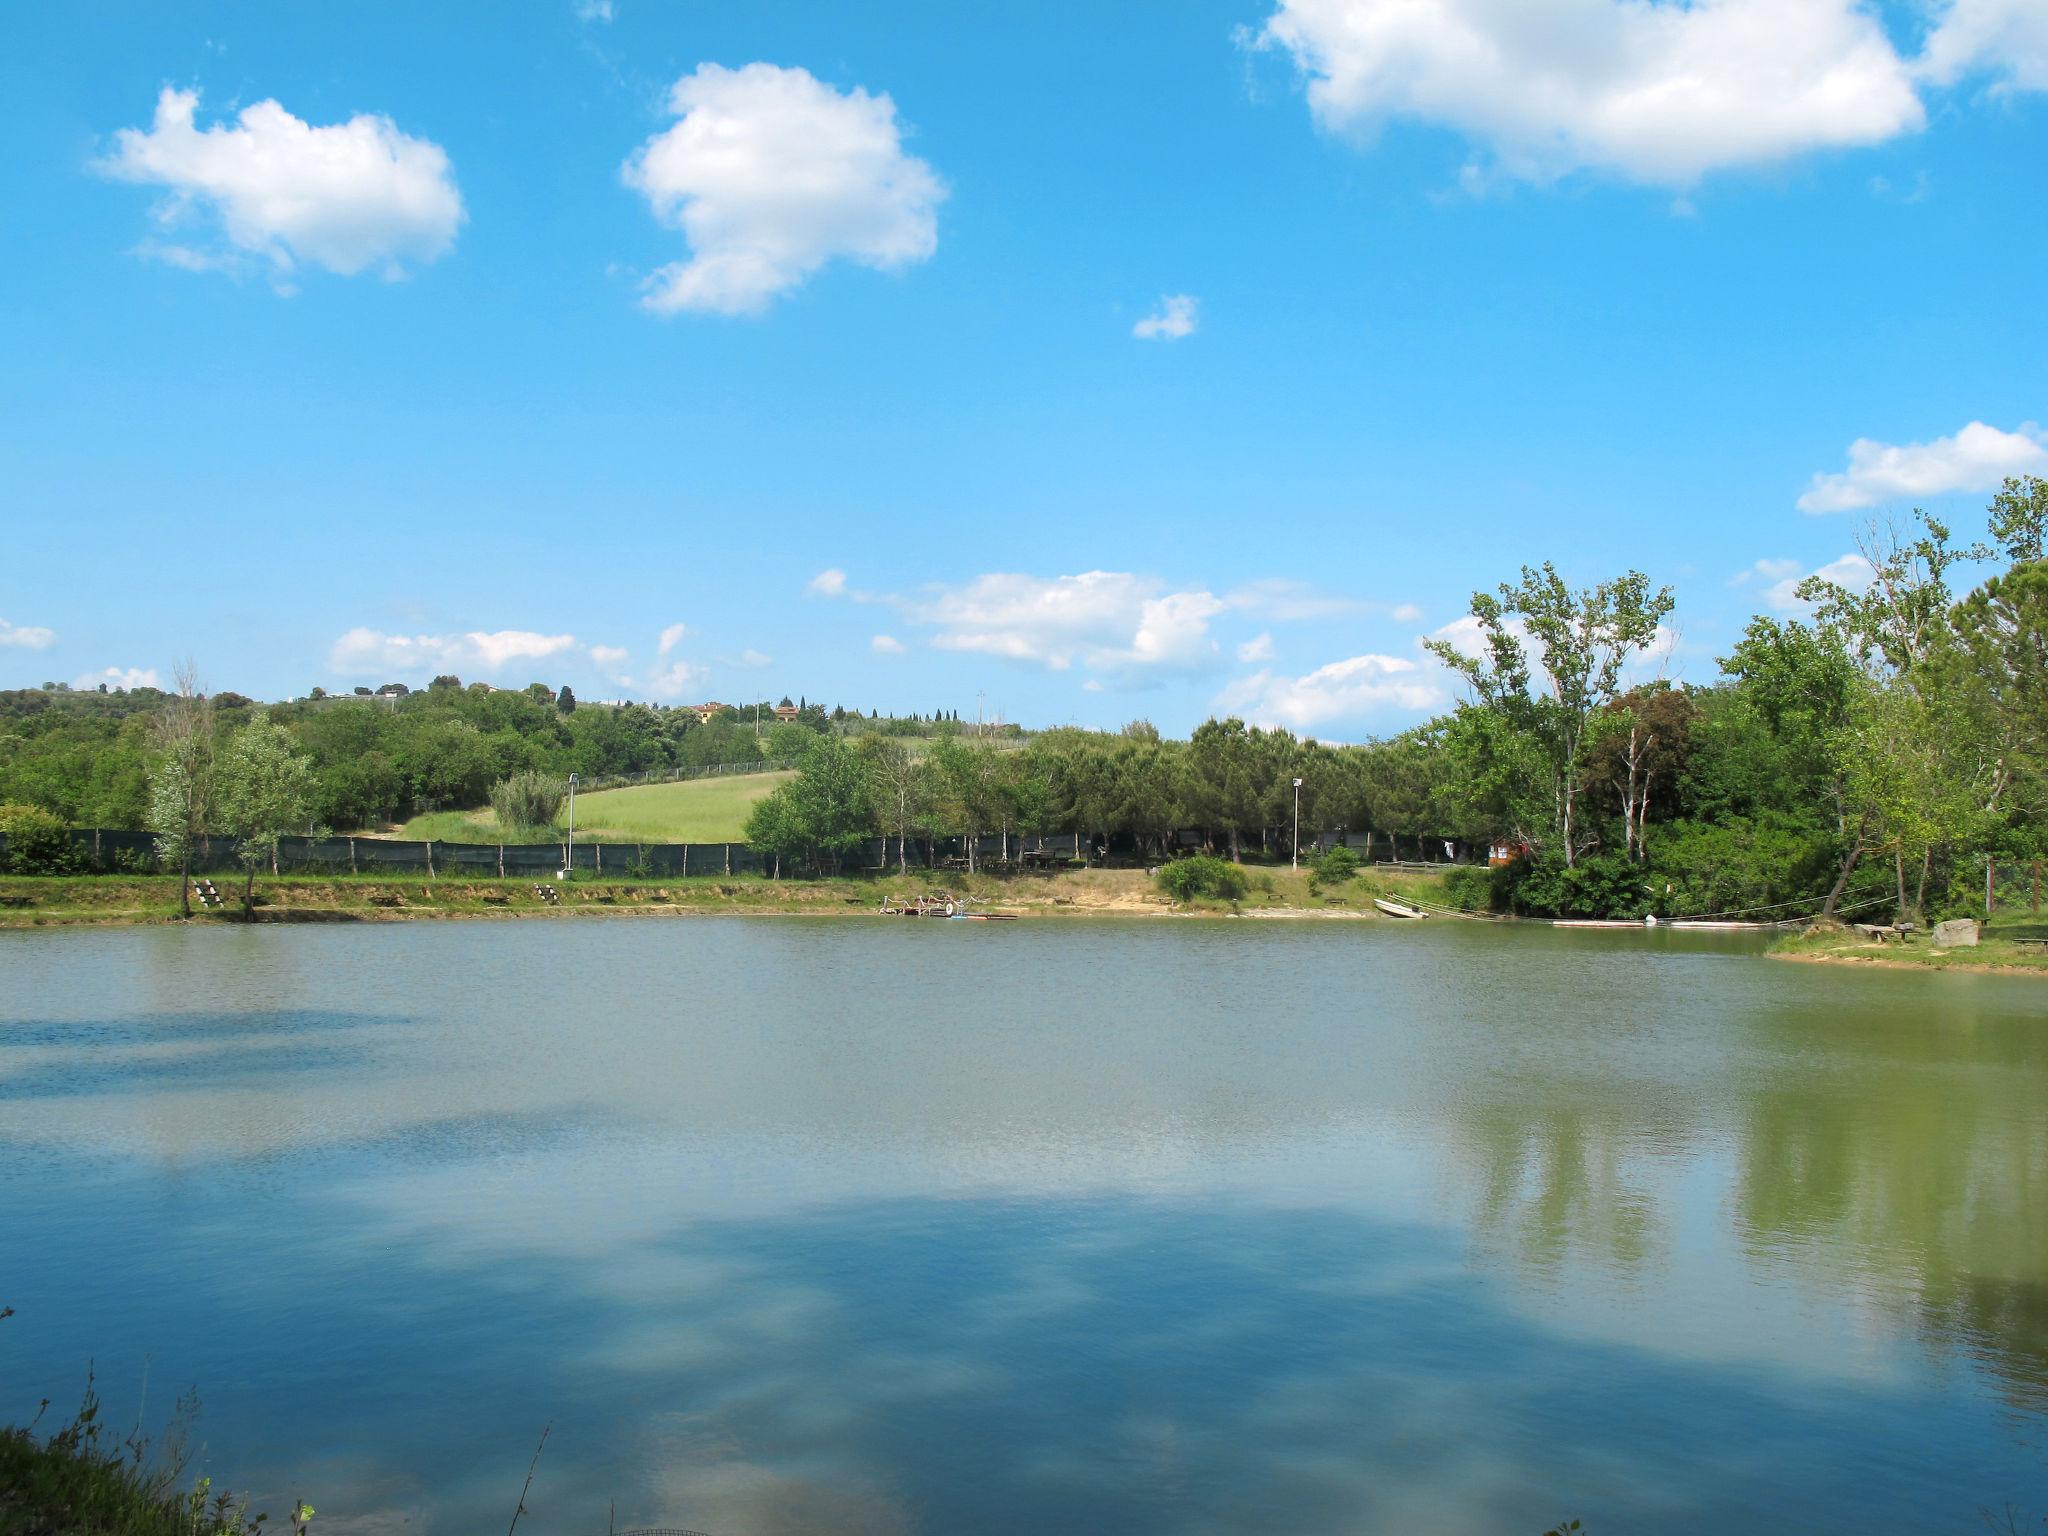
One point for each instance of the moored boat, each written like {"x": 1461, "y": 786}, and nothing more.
{"x": 1397, "y": 908}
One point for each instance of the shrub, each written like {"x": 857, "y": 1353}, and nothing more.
{"x": 37, "y": 842}
{"x": 1333, "y": 866}
{"x": 1186, "y": 879}
{"x": 529, "y": 799}
{"x": 1607, "y": 885}
{"x": 1471, "y": 889}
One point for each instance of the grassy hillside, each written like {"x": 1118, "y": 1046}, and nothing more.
{"x": 692, "y": 811}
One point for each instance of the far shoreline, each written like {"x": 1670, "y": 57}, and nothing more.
{"x": 49, "y": 903}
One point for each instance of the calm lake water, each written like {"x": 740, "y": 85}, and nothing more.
{"x": 1210, "y": 1227}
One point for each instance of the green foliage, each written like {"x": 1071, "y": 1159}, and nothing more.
{"x": 265, "y": 788}
{"x": 38, "y": 842}
{"x": 1190, "y": 879}
{"x": 1605, "y": 885}
{"x": 1471, "y": 889}
{"x": 1334, "y": 866}
{"x": 529, "y": 798}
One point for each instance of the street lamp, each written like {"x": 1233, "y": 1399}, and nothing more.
{"x": 569, "y": 868}
{"x": 1297, "y": 824}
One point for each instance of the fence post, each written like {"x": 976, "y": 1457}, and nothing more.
{"x": 1989, "y": 870}
{"x": 686, "y": 861}
{"x": 430, "y": 858}
{"x": 351, "y": 855}
{"x": 600, "y": 857}
{"x": 728, "y": 858}
{"x": 501, "y": 861}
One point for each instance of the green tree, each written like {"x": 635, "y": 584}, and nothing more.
{"x": 181, "y": 785}
{"x": 267, "y": 791}
{"x": 1583, "y": 640}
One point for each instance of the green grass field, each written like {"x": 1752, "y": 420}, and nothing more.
{"x": 690, "y": 811}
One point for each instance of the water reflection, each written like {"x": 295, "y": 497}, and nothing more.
{"x": 1162, "y": 1228}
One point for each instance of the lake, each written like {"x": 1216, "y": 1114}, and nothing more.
{"x": 1209, "y": 1226}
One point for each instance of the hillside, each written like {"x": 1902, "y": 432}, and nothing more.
{"x": 712, "y": 810}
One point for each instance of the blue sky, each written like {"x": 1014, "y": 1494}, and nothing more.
{"x": 510, "y": 338}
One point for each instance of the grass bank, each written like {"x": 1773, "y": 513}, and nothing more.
{"x": 1996, "y": 950}
{"x": 112, "y": 900}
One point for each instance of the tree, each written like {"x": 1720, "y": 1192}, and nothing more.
{"x": 267, "y": 791}
{"x": 181, "y": 789}
{"x": 899, "y": 790}
{"x": 565, "y": 701}
{"x": 1225, "y": 782}
{"x": 821, "y": 814}
{"x": 1584, "y": 639}
{"x": 2019, "y": 519}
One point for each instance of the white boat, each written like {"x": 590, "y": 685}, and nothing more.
{"x": 1397, "y": 908}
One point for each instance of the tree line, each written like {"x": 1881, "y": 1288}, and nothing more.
{"x": 1880, "y": 748}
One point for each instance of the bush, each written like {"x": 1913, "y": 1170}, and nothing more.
{"x": 38, "y": 843}
{"x": 1471, "y": 889}
{"x": 1187, "y": 879}
{"x": 1333, "y": 866}
{"x": 529, "y": 799}
{"x": 1607, "y": 885}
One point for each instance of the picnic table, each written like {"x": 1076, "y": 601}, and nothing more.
{"x": 1885, "y": 932}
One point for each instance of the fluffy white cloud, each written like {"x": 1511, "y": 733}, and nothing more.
{"x": 887, "y": 645}
{"x": 677, "y": 679}
{"x": 1781, "y": 579}
{"x": 1175, "y": 318}
{"x": 770, "y": 173}
{"x": 363, "y": 652}
{"x": 1343, "y": 690}
{"x": 753, "y": 658}
{"x": 672, "y": 636}
{"x": 1657, "y": 93}
{"x": 1107, "y": 620}
{"x": 30, "y": 637}
{"x": 1978, "y": 458}
{"x": 346, "y": 196}
{"x": 609, "y": 657}
{"x": 2007, "y": 39}
{"x": 119, "y": 677}
{"x": 593, "y": 10}
{"x": 1260, "y": 648}
{"x": 829, "y": 583}
{"x": 1407, "y": 613}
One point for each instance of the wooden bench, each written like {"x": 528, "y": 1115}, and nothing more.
{"x": 1885, "y": 932}
{"x": 2032, "y": 943}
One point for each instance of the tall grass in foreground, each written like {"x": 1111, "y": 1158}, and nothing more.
{"x": 80, "y": 1482}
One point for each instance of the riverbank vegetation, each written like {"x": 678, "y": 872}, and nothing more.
{"x": 1880, "y": 750}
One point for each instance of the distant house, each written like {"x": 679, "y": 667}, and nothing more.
{"x": 393, "y": 691}
{"x": 705, "y": 711}
{"x": 786, "y": 710}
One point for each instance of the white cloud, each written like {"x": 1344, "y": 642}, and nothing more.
{"x": 672, "y": 636}
{"x": 1106, "y": 620}
{"x": 30, "y": 637}
{"x": 677, "y": 679}
{"x": 1851, "y": 571}
{"x": 769, "y": 174}
{"x": 1655, "y": 93}
{"x": 1290, "y": 601}
{"x": 753, "y": 658}
{"x": 610, "y": 657}
{"x": 887, "y": 645}
{"x": 828, "y": 583}
{"x": 1175, "y": 318}
{"x": 363, "y": 652}
{"x": 1978, "y": 458}
{"x": 1258, "y": 649}
{"x": 1770, "y": 572}
{"x": 2007, "y": 39}
{"x": 345, "y": 196}
{"x": 1343, "y": 690}
{"x": 119, "y": 677}
{"x": 593, "y": 10}
{"x": 1407, "y": 613}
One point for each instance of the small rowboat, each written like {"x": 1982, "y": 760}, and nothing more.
{"x": 1397, "y": 908}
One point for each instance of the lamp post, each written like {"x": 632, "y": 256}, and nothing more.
{"x": 1297, "y": 824}
{"x": 569, "y": 868}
